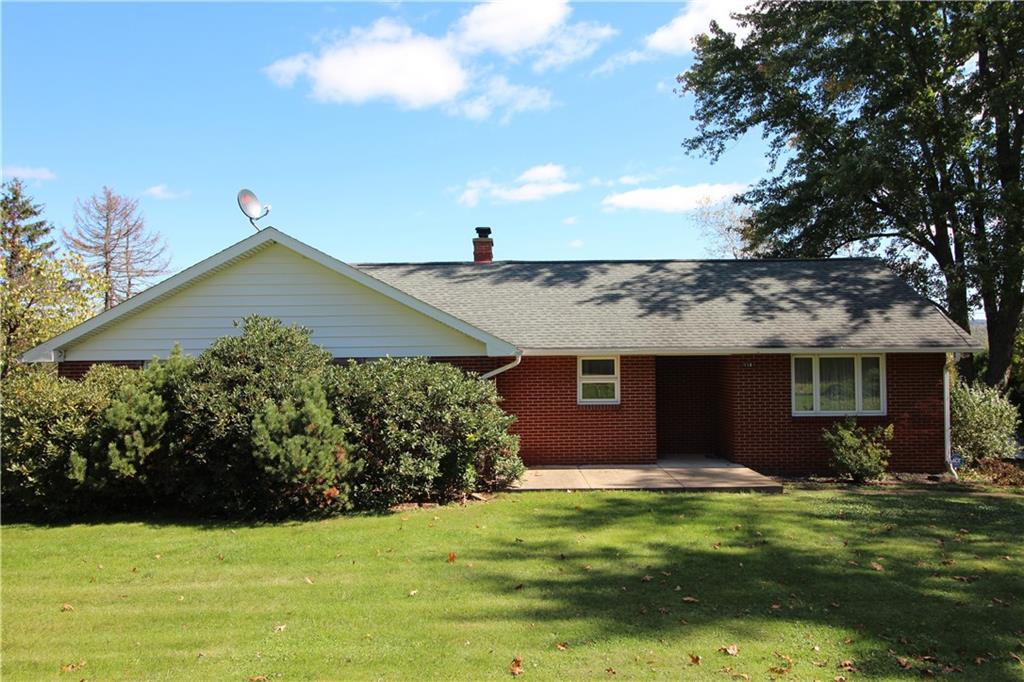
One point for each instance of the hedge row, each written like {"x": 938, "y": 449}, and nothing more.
{"x": 260, "y": 425}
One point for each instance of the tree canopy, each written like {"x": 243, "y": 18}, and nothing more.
{"x": 893, "y": 127}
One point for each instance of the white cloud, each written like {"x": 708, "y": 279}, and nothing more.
{"x": 547, "y": 172}
{"x": 499, "y": 94}
{"x": 571, "y": 220}
{"x": 576, "y": 244}
{"x": 572, "y": 44}
{"x": 387, "y": 61}
{"x": 163, "y": 192}
{"x": 621, "y": 59}
{"x": 509, "y": 28}
{"x": 29, "y": 173}
{"x": 533, "y": 184}
{"x": 676, "y": 37}
{"x": 672, "y": 199}
{"x": 634, "y": 179}
{"x": 390, "y": 61}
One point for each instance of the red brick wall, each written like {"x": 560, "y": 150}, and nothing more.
{"x": 554, "y": 429}
{"x": 76, "y": 369}
{"x": 759, "y": 430}
{"x": 688, "y": 406}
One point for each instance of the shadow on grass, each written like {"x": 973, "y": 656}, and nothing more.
{"x": 792, "y": 565}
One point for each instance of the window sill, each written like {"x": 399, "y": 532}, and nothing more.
{"x": 598, "y": 403}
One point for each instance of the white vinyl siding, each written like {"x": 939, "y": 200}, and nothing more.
{"x": 347, "y": 318}
{"x": 836, "y": 385}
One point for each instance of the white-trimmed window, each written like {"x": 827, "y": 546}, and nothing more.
{"x": 838, "y": 384}
{"x": 597, "y": 381}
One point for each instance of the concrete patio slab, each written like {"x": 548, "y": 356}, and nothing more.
{"x": 694, "y": 474}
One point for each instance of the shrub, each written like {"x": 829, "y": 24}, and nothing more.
{"x": 136, "y": 453}
{"x": 422, "y": 431}
{"x": 229, "y": 386}
{"x": 47, "y": 437}
{"x": 983, "y": 421}
{"x": 856, "y": 452}
{"x": 301, "y": 451}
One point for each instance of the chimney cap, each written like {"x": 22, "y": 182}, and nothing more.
{"x": 483, "y": 232}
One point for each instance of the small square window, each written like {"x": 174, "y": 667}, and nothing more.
{"x": 597, "y": 380}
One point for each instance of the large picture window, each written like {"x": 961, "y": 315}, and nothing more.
{"x": 598, "y": 381}
{"x": 838, "y": 384}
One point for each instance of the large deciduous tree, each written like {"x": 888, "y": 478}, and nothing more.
{"x": 894, "y": 127}
{"x": 110, "y": 234}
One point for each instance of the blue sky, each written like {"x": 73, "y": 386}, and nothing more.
{"x": 379, "y": 131}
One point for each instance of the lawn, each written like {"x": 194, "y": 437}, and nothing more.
{"x": 808, "y": 585}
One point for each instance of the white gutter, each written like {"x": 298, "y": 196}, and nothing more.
{"x": 504, "y": 368}
{"x": 741, "y": 350}
{"x": 948, "y": 431}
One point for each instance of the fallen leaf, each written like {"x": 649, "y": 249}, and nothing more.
{"x": 67, "y": 607}
{"x": 999, "y": 602}
{"x": 691, "y": 600}
{"x": 694, "y": 659}
{"x": 610, "y": 671}
{"x": 413, "y": 593}
{"x": 309, "y": 580}
{"x": 782, "y": 669}
{"x": 848, "y": 666}
{"x": 1017, "y": 658}
{"x": 732, "y": 650}
{"x": 646, "y": 579}
{"x": 451, "y": 557}
{"x": 965, "y": 578}
{"x": 258, "y": 678}
{"x": 904, "y": 663}
{"x": 875, "y": 566}
{"x": 71, "y": 667}
{"x": 980, "y": 660}
{"x": 838, "y": 678}
{"x": 517, "y": 666}
{"x": 279, "y": 628}
{"x": 776, "y": 605}
{"x": 562, "y": 646}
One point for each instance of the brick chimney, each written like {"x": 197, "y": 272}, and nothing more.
{"x": 483, "y": 246}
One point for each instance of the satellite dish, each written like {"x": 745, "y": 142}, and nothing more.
{"x": 251, "y": 206}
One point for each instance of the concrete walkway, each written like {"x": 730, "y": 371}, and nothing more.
{"x": 684, "y": 473}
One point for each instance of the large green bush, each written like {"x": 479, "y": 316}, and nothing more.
{"x": 856, "y": 452}
{"x": 257, "y": 426}
{"x": 984, "y": 422}
{"x": 422, "y": 431}
{"x": 301, "y": 450}
{"x": 47, "y": 436}
{"x": 227, "y": 391}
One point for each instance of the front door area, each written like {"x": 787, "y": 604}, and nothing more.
{"x": 688, "y": 394}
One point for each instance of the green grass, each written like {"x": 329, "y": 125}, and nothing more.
{"x": 604, "y": 572}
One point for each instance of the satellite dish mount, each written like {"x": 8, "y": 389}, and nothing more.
{"x": 251, "y": 207}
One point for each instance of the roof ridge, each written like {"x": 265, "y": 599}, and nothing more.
{"x": 634, "y": 260}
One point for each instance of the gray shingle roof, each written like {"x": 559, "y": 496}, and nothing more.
{"x": 682, "y": 305}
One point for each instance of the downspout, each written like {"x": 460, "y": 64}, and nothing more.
{"x": 504, "y": 368}
{"x": 948, "y": 431}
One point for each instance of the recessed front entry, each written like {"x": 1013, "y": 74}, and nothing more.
{"x": 688, "y": 405}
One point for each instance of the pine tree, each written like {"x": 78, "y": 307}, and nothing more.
{"x": 24, "y": 231}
